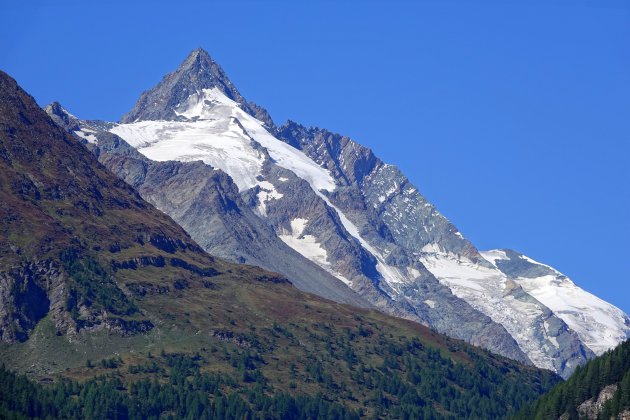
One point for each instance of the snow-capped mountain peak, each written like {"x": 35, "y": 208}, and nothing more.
{"x": 358, "y": 221}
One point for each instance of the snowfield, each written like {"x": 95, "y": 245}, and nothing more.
{"x": 600, "y": 325}
{"x": 223, "y": 136}
{"x": 485, "y": 289}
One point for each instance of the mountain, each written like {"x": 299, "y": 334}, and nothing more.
{"x": 598, "y": 390}
{"x": 359, "y": 219}
{"x": 113, "y": 311}
{"x": 271, "y": 176}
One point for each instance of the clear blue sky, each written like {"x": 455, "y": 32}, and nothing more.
{"x": 513, "y": 117}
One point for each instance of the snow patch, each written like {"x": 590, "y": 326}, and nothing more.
{"x": 220, "y": 143}
{"x": 600, "y": 325}
{"x": 413, "y": 272}
{"x": 431, "y": 248}
{"x": 494, "y": 256}
{"x": 267, "y": 192}
{"x": 308, "y": 247}
{"x": 297, "y": 225}
{"x": 87, "y": 134}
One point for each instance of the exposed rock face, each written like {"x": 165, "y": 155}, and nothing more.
{"x": 24, "y": 292}
{"x": 591, "y": 408}
{"x": 384, "y": 206}
{"x": 377, "y": 195}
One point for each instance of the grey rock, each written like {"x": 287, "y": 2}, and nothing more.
{"x": 517, "y": 266}
{"x": 367, "y": 195}
{"x": 593, "y": 407}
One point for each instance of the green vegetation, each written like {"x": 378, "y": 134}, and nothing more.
{"x": 409, "y": 383}
{"x": 364, "y": 365}
{"x": 269, "y": 351}
{"x": 587, "y": 382}
{"x": 92, "y": 286}
{"x": 188, "y": 394}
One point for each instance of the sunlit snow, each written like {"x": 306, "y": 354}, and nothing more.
{"x": 224, "y": 136}
{"x": 308, "y": 246}
{"x": 599, "y": 324}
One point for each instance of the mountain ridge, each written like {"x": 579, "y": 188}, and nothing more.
{"x": 452, "y": 315}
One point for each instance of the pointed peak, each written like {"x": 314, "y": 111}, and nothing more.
{"x": 55, "y": 108}
{"x": 199, "y": 52}
{"x": 196, "y": 73}
{"x": 196, "y": 57}
{"x": 61, "y": 116}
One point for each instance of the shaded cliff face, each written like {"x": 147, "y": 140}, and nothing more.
{"x": 76, "y": 239}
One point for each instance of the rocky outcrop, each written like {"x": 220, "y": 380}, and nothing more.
{"x": 25, "y": 293}
{"x": 591, "y": 408}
